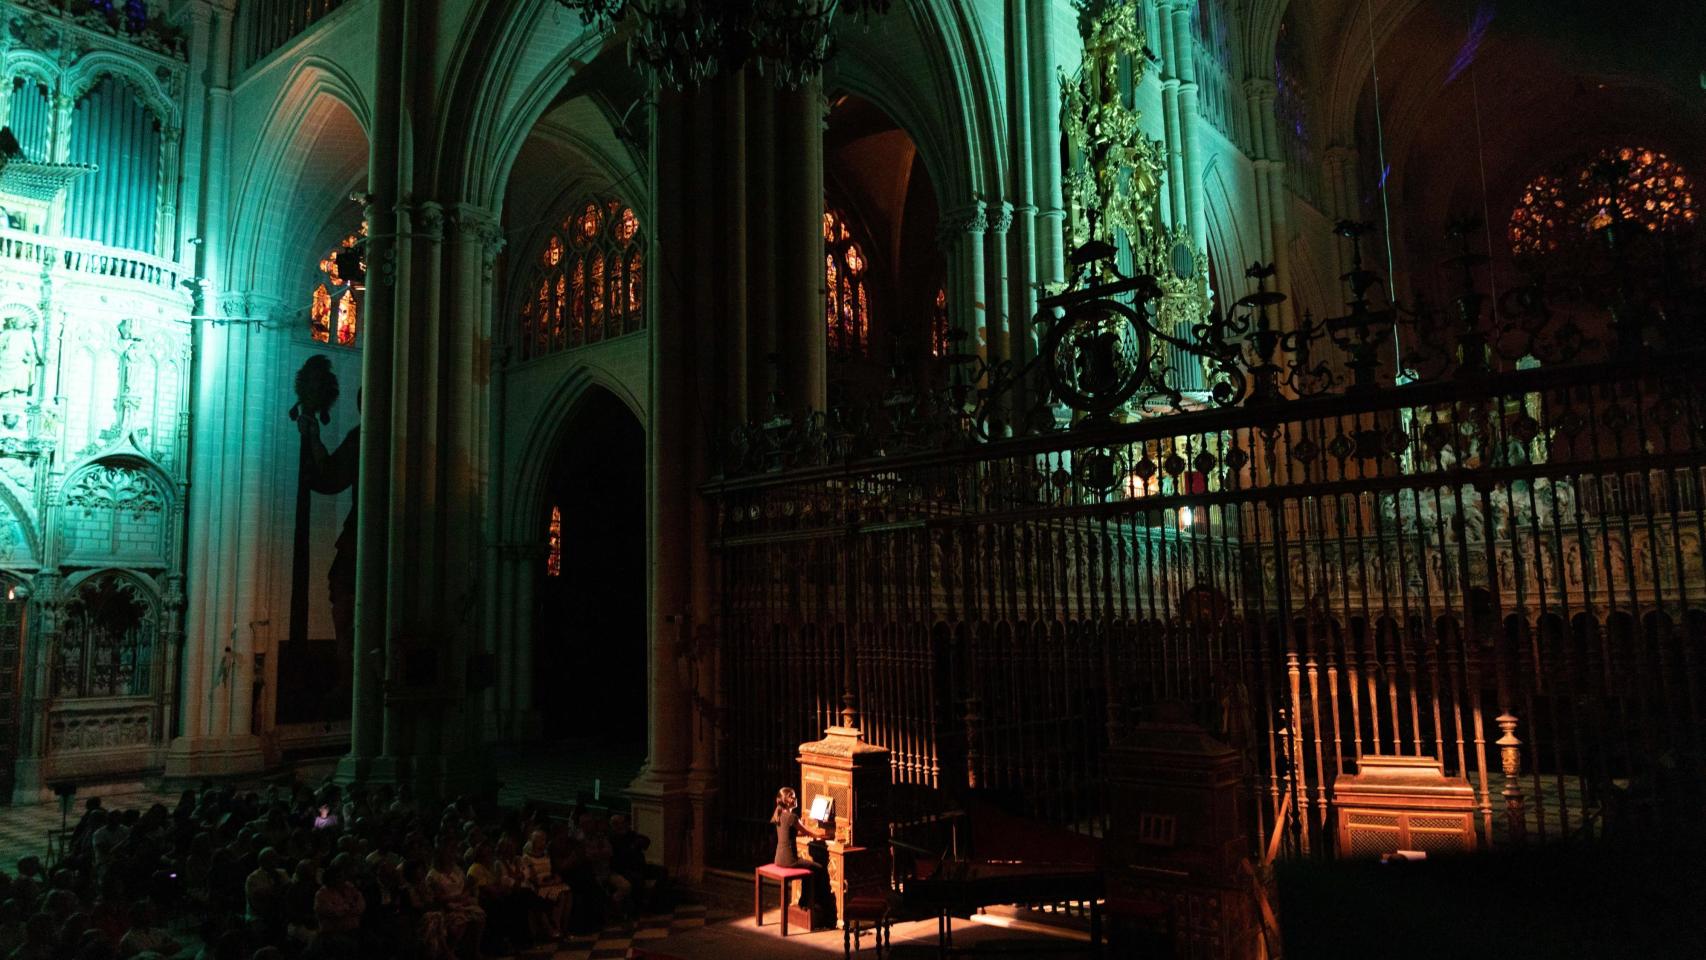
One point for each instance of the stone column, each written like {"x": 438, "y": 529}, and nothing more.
{"x": 997, "y": 319}
{"x": 1272, "y": 195}
{"x": 1046, "y": 174}
{"x": 762, "y": 159}
{"x": 1190, "y": 120}
{"x": 1021, "y": 258}
{"x": 380, "y": 311}
{"x": 960, "y": 233}
{"x": 734, "y": 357}
{"x": 232, "y": 470}
{"x": 658, "y": 793}
{"x": 1172, "y": 135}
{"x": 799, "y": 244}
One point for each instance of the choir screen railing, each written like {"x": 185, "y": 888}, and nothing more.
{"x": 1503, "y": 575}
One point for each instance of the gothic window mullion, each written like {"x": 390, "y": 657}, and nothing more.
{"x": 592, "y": 265}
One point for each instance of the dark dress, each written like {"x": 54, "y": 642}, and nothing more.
{"x": 786, "y": 823}
{"x": 815, "y": 890}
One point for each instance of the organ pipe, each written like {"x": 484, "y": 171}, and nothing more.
{"x": 273, "y": 23}
{"x": 31, "y": 117}
{"x": 118, "y": 204}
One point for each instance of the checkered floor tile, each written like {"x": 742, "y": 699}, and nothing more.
{"x": 564, "y": 771}
{"x": 615, "y": 942}
{"x": 24, "y": 829}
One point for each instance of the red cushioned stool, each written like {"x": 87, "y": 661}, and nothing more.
{"x": 784, "y": 876}
{"x": 862, "y": 913}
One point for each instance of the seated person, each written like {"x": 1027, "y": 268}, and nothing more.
{"x": 338, "y": 906}
{"x": 499, "y": 897}
{"x": 814, "y": 893}
{"x": 146, "y": 934}
{"x": 552, "y": 899}
{"x": 628, "y": 860}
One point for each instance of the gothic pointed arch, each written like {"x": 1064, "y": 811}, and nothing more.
{"x": 91, "y": 70}
{"x": 531, "y": 454}
{"x": 20, "y": 536}
{"x": 508, "y": 69}
{"x": 108, "y": 642}
{"x": 308, "y": 158}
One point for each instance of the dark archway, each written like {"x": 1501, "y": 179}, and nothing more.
{"x": 589, "y": 634}
{"x": 879, "y": 194}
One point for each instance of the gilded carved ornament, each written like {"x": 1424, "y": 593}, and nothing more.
{"x": 1113, "y": 188}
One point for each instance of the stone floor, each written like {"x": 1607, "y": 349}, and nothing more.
{"x": 740, "y": 938}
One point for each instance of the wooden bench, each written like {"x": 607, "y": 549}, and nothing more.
{"x": 785, "y": 876}
{"x": 861, "y": 913}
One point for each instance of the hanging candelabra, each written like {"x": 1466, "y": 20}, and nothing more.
{"x": 687, "y": 42}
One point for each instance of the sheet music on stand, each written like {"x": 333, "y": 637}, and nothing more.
{"x": 822, "y": 807}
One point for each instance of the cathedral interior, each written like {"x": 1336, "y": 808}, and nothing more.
{"x": 1125, "y": 478}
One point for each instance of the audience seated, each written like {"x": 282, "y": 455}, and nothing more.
{"x": 294, "y": 873}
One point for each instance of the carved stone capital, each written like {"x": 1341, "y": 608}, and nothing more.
{"x": 246, "y": 304}
{"x": 427, "y": 218}
{"x": 1000, "y": 218}
{"x": 955, "y": 224}
{"x": 470, "y": 219}
{"x": 479, "y": 225}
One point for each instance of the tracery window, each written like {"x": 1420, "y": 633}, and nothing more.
{"x": 335, "y": 310}
{"x": 1563, "y": 207}
{"x": 554, "y": 544}
{"x": 106, "y": 646}
{"x": 848, "y": 311}
{"x": 589, "y": 282}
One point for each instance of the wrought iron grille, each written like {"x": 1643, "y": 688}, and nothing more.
{"x": 1504, "y": 574}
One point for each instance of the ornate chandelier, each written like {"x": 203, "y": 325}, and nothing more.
{"x": 686, "y": 42}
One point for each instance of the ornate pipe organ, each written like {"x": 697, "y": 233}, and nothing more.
{"x": 95, "y": 373}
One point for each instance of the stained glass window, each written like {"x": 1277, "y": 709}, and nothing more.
{"x": 939, "y": 339}
{"x": 554, "y": 544}
{"x": 589, "y": 281}
{"x": 1564, "y": 206}
{"x": 848, "y": 308}
{"x": 334, "y": 310}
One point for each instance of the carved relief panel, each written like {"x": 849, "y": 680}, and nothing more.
{"x": 114, "y": 512}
